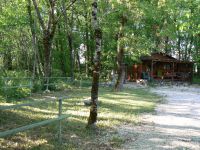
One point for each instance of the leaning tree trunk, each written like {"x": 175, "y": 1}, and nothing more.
{"x": 96, "y": 70}
{"x": 120, "y": 56}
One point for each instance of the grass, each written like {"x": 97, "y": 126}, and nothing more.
{"x": 115, "y": 109}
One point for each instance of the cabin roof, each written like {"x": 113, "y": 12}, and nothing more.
{"x": 159, "y": 57}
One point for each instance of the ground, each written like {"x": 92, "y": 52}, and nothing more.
{"x": 126, "y": 120}
{"x": 174, "y": 125}
{"x": 115, "y": 109}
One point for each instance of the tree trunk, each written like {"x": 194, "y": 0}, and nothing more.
{"x": 78, "y": 61}
{"x": 48, "y": 34}
{"x": 69, "y": 36}
{"x": 7, "y": 59}
{"x": 186, "y": 47}
{"x": 120, "y": 56}
{"x": 62, "y": 56}
{"x": 190, "y": 48}
{"x": 92, "y": 45}
{"x": 47, "y": 51}
{"x": 87, "y": 58}
{"x": 167, "y": 45}
{"x": 179, "y": 46}
{"x": 96, "y": 70}
{"x": 34, "y": 40}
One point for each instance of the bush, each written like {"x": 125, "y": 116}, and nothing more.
{"x": 14, "y": 86}
{"x": 196, "y": 79}
{"x": 37, "y": 86}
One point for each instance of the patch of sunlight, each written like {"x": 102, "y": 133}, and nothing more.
{"x": 38, "y": 110}
{"x": 6, "y": 104}
{"x": 109, "y": 100}
{"x": 78, "y": 119}
{"x": 107, "y": 123}
{"x": 113, "y": 117}
{"x": 156, "y": 140}
{"x": 51, "y": 97}
{"x": 78, "y": 113}
{"x": 33, "y": 115}
{"x": 127, "y": 101}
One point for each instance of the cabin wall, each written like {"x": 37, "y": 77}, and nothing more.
{"x": 161, "y": 70}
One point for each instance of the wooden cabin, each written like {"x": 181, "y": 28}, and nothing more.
{"x": 160, "y": 66}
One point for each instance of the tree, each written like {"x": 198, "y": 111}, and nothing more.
{"x": 69, "y": 35}
{"x": 96, "y": 70}
{"x": 120, "y": 54}
{"x": 48, "y": 30}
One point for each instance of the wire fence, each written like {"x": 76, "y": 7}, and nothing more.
{"x": 22, "y": 87}
{"x": 14, "y": 87}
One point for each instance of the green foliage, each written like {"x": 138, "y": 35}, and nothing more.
{"x": 15, "y": 84}
{"x": 196, "y": 79}
{"x": 37, "y": 85}
{"x": 169, "y": 26}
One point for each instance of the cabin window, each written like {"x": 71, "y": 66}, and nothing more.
{"x": 167, "y": 66}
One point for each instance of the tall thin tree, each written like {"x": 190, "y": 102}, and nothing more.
{"x": 96, "y": 70}
{"x": 120, "y": 54}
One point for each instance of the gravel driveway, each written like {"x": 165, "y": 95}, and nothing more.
{"x": 174, "y": 126}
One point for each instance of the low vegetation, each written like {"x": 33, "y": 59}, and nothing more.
{"x": 196, "y": 79}
{"x": 115, "y": 109}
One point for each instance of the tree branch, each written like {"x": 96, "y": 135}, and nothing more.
{"x": 51, "y": 14}
{"x": 72, "y": 3}
{"x": 39, "y": 14}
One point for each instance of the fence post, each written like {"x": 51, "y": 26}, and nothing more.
{"x": 59, "y": 114}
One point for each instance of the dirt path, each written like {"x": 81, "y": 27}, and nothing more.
{"x": 174, "y": 126}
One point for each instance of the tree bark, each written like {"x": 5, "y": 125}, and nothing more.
{"x": 34, "y": 40}
{"x": 78, "y": 60}
{"x": 167, "y": 45}
{"x": 179, "y": 46}
{"x": 190, "y": 48}
{"x": 96, "y": 70}
{"x": 87, "y": 58}
{"x": 186, "y": 48}
{"x": 70, "y": 41}
{"x": 120, "y": 56}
